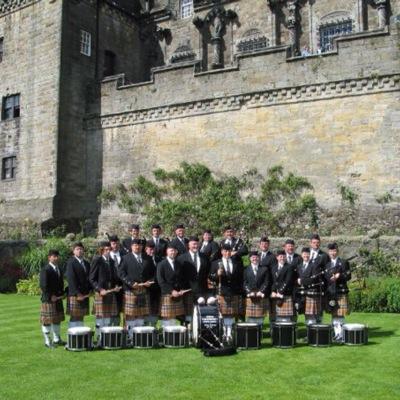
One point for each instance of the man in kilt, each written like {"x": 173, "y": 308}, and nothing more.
{"x": 137, "y": 278}
{"x": 309, "y": 287}
{"x": 227, "y": 275}
{"x": 104, "y": 279}
{"x": 283, "y": 277}
{"x": 52, "y": 310}
{"x": 257, "y": 289}
{"x": 150, "y": 263}
{"x": 79, "y": 288}
{"x": 337, "y": 273}
{"x": 171, "y": 280}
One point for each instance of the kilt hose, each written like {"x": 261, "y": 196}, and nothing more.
{"x": 187, "y": 299}
{"x": 52, "y": 313}
{"x": 256, "y": 307}
{"x": 105, "y": 306}
{"x": 136, "y": 303}
{"x": 171, "y": 307}
{"x": 77, "y": 309}
{"x": 313, "y": 306}
{"x": 287, "y": 307}
{"x": 343, "y": 306}
{"x": 229, "y": 306}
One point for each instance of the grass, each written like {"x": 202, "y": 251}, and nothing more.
{"x": 29, "y": 371}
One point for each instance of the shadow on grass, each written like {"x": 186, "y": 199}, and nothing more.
{"x": 377, "y": 332}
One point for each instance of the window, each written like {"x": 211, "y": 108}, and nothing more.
{"x": 109, "y": 63}
{"x": 10, "y": 107}
{"x": 186, "y": 8}
{"x": 8, "y": 167}
{"x": 252, "y": 40}
{"x": 331, "y": 31}
{"x": 86, "y": 43}
{"x": 1, "y": 48}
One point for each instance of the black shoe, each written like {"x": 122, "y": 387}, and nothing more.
{"x": 59, "y": 343}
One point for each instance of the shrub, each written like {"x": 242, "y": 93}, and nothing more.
{"x": 29, "y": 286}
{"x": 9, "y": 276}
{"x": 379, "y": 295}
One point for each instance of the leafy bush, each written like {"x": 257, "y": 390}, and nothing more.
{"x": 379, "y": 295}
{"x": 379, "y": 263}
{"x": 198, "y": 198}
{"x": 9, "y": 276}
{"x": 29, "y": 286}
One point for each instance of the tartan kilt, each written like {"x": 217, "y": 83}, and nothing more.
{"x": 313, "y": 306}
{"x": 105, "y": 306}
{"x": 188, "y": 303}
{"x": 52, "y": 313}
{"x": 77, "y": 309}
{"x": 287, "y": 308}
{"x": 132, "y": 308}
{"x": 256, "y": 308}
{"x": 171, "y": 307}
{"x": 229, "y": 306}
{"x": 343, "y": 309}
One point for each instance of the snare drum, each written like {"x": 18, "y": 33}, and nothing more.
{"x": 355, "y": 334}
{"x": 175, "y": 336}
{"x": 284, "y": 334}
{"x": 144, "y": 337}
{"x": 79, "y": 339}
{"x": 319, "y": 335}
{"x": 248, "y": 336}
{"x": 112, "y": 337}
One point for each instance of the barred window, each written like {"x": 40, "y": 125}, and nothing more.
{"x": 11, "y": 107}
{"x": 8, "y": 167}
{"x": 329, "y": 32}
{"x": 252, "y": 40}
{"x": 186, "y": 8}
{"x": 1, "y": 48}
{"x": 86, "y": 43}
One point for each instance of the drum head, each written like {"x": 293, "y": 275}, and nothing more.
{"x": 175, "y": 329}
{"x": 143, "y": 329}
{"x": 79, "y": 330}
{"x": 320, "y": 326}
{"x": 353, "y": 327}
{"x": 111, "y": 329}
{"x": 247, "y": 325}
{"x": 284, "y": 323}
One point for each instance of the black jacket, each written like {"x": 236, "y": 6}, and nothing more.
{"x": 77, "y": 277}
{"x": 310, "y": 277}
{"x": 122, "y": 253}
{"x": 258, "y": 283}
{"x": 160, "y": 248}
{"x": 51, "y": 283}
{"x": 131, "y": 271}
{"x": 197, "y": 281}
{"x": 231, "y": 284}
{"x": 340, "y": 285}
{"x": 211, "y": 250}
{"x": 170, "y": 279}
{"x": 182, "y": 248}
{"x": 103, "y": 274}
{"x": 268, "y": 260}
{"x": 150, "y": 266}
{"x": 283, "y": 280}
{"x": 238, "y": 245}
{"x": 127, "y": 244}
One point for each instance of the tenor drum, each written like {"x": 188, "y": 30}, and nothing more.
{"x": 175, "y": 336}
{"x": 206, "y": 327}
{"x": 284, "y": 334}
{"x": 248, "y": 336}
{"x": 112, "y": 337}
{"x": 80, "y": 338}
{"x": 144, "y": 337}
{"x": 355, "y": 334}
{"x": 319, "y": 335}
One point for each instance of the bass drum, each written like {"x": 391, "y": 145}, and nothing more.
{"x": 206, "y": 327}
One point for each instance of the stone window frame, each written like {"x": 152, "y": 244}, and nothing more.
{"x": 186, "y": 8}
{"x": 1, "y": 48}
{"x": 11, "y": 107}
{"x": 340, "y": 19}
{"x": 9, "y": 172}
{"x": 253, "y": 40}
{"x": 86, "y": 43}
{"x": 109, "y": 63}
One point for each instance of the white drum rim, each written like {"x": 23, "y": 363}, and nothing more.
{"x": 111, "y": 329}
{"x": 319, "y": 326}
{"x": 79, "y": 330}
{"x": 285, "y": 324}
{"x": 353, "y": 327}
{"x": 143, "y": 329}
{"x": 175, "y": 329}
{"x": 247, "y": 324}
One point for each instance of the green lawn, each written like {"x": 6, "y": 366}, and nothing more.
{"x": 29, "y": 371}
